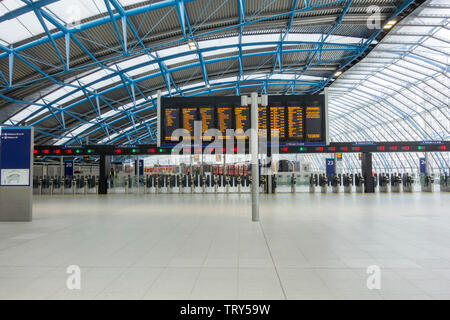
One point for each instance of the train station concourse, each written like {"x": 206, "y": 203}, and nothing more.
{"x": 232, "y": 150}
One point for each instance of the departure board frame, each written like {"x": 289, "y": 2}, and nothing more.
{"x": 314, "y": 126}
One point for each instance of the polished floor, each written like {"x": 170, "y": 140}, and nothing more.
{"x": 206, "y": 247}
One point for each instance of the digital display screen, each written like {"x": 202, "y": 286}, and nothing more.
{"x": 171, "y": 123}
{"x": 225, "y": 119}
{"x": 313, "y": 123}
{"x": 296, "y": 118}
{"x": 207, "y": 118}
{"x": 262, "y": 122}
{"x": 296, "y": 129}
{"x": 278, "y": 122}
{"x": 189, "y": 117}
{"x": 242, "y": 118}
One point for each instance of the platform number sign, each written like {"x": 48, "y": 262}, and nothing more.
{"x": 330, "y": 167}
{"x": 68, "y": 168}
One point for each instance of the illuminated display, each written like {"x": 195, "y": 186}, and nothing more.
{"x": 295, "y": 123}
{"x": 297, "y": 119}
{"x": 313, "y": 123}
{"x": 278, "y": 122}
{"x": 171, "y": 123}
{"x": 262, "y": 122}
{"x": 188, "y": 120}
{"x": 242, "y": 116}
{"x": 225, "y": 119}
{"x": 207, "y": 118}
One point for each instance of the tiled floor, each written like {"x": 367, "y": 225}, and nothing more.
{"x": 206, "y": 247}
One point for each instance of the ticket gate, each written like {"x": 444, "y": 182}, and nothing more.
{"x": 293, "y": 183}
{"x": 36, "y": 185}
{"x": 444, "y": 183}
{"x": 313, "y": 182}
{"x": 396, "y": 181}
{"x": 336, "y": 183}
{"x": 324, "y": 183}
{"x": 384, "y": 183}
{"x": 359, "y": 183}
{"x": 427, "y": 183}
{"x": 56, "y": 185}
{"x": 408, "y": 183}
{"x": 348, "y": 183}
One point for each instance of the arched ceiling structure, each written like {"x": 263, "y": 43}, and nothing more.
{"x": 88, "y": 71}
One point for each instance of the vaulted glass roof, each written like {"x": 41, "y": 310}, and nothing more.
{"x": 88, "y": 71}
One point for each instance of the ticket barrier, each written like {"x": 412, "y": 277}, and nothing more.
{"x": 68, "y": 185}
{"x": 294, "y": 183}
{"x": 92, "y": 184}
{"x": 427, "y": 183}
{"x": 408, "y": 183}
{"x": 45, "y": 185}
{"x": 384, "y": 183}
{"x": 56, "y": 185}
{"x": 396, "y": 181}
{"x": 313, "y": 182}
{"x": 347, "y": 181}
{"x": 263, "y": 184}
{"x": 444, "y": 183}
{"x": 336, "y": 183}
{"x": 324, "y": 183}
{"x": 359, "y": 183}
{"x": 36, "y": 185}
{"x": 80, "y": 185}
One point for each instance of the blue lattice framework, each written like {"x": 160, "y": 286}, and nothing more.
{"x": 130, "y": 116}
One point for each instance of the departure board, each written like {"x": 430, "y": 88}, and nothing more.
{"x": 225, "y": 119}
{"x": 242, "y": 117}
{"x": 262, "y": 122}
{"x": 313, "y": 123}
{"x": 189, "y": 115}
{"x": 278, "y": 122}
{"x": 298, "y": 119}
{"x": 207, "y": 118}
{"x": 171, "y": 123}
{"x": 296, "y": 129}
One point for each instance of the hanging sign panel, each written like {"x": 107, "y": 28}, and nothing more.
{"x": 290, "y": 119}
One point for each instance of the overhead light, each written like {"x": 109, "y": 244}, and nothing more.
{"x": 338, "y": 73}
{"x": 208, "y": 85}
{"x": 389, "y": 24}
{"x": 192, "y": 45}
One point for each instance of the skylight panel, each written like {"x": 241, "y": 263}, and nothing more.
{"x": 72, "y": 12}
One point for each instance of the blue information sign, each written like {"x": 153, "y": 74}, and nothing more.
{"x": 330, "y": 167}
{"x": 423, "y": 165}
{"x": 68, "y": 168}
{"x": 15, "y": 156}
{"x": 141, "y": 167}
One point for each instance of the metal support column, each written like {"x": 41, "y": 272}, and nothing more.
{"x": 366, "y": 168}
{"x": 105, "y": 165}
{"x": 254, "y": 151}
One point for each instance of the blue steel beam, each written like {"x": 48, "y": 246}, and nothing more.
{"x": 335, "y": 47}
{"x": 159, "y": 5}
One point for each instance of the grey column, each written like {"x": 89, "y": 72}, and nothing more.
{"x": 367, "y": 172}
{"x": 105, "y": 166}
{"x": 254, "y": 151}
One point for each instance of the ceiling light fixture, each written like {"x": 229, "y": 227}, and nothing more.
{"x": 338, "y": 73}
{"x": 389, "y": 24}
{"x": 192, "y": 45}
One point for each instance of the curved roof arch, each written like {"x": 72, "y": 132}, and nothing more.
{"x": 89, "y": 70}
